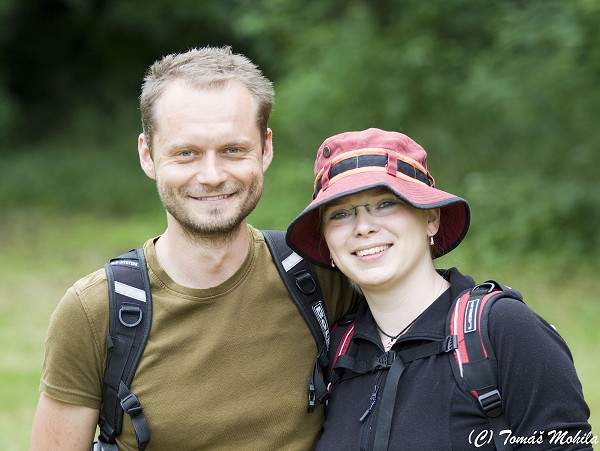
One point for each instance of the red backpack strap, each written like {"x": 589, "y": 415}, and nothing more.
{"x": 473, "y": 361}
{"x": 341, "y": 338}
{"x": 471, "y": 356}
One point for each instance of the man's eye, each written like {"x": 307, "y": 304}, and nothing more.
{"x": 186, "y": 153}
{"x": 233, "y": 150}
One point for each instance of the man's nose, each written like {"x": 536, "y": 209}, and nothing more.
{"x": 210, "y": 170}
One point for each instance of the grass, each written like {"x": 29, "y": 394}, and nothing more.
{"x": 41, "y": 257}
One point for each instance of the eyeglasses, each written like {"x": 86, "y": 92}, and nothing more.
{"x": 335, "y": 216}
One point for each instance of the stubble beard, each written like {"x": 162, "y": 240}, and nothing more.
{"x": 215, "y": 227}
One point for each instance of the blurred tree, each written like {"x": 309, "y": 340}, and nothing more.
{"x": 57, "y": 55}
{"x": 504, "y": 94}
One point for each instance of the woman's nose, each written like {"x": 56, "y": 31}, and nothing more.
{"x": 364, "y": 223}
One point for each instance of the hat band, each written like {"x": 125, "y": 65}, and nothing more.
{"x": 369, "y": 160}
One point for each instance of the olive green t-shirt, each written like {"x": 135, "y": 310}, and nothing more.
{"x": 224, "y": 368}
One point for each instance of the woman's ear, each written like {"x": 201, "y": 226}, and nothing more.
{"x": 433, "y": 221}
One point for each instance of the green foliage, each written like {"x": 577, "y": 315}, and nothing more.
{"x": 503, "y": 95}
{"x": 547, "y": 221}
{"x": 93, "y": 168}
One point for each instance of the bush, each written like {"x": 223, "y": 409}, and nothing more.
{"x": 548, "y": 220}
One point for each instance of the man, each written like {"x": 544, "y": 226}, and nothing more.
{"x": 228, "y": 356}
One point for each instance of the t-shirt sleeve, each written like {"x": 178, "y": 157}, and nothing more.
{"x": 539, "y": 384}
{"x": 75, "y": 345}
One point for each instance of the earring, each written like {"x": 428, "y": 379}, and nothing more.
{"x": 431, "y": 242}
{"x": 332, "y": 263}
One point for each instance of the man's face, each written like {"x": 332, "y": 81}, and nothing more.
{"x": 208, "y": 158}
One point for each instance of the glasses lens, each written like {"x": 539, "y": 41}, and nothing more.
{"x": 346, "y": 215}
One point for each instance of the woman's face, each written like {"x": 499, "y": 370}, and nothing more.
{"x": 376, "y": 239}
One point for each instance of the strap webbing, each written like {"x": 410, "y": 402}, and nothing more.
{"x": 131, "y": 405}
{"x": 302, "y": 283}
{"x": 386, "y": 360}
{"x": 386, "y": 409}
{"x": 473, "y": 364}
{"x": 103, "y": 446}
{"x": 498, "y": 424}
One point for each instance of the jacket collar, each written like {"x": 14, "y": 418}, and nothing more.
{"x": 431, "y": 325}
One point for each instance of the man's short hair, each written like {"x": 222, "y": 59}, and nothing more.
{"x": 206, "y": 67}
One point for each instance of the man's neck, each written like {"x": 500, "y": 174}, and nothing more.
{"x": 199, "y": 262}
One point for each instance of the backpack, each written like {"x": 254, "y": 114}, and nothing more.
{"x": 130, "y": 307}
{"x": 467, "y": 344}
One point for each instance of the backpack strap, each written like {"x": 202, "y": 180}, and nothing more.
{"x": 300, "y": 279}
{"x": 342, "y": 333}
{"x": 474, "y": 364}
{"x": 130, "y": 307}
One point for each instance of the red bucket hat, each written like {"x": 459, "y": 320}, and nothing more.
{"x": 352, "y": 162}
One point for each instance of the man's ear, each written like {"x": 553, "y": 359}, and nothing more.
{"x": 267, "y": 153}
{"x": 146, "y": 161}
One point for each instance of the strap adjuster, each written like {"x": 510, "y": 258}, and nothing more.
{"x": 451, "y": 343}
{"x": 311, "y": 396}
{"x": 131, "y": 405}
{"x": 107, "y": 433}
{"x": 491, "y": 403}
{"x": 385, "y": 360}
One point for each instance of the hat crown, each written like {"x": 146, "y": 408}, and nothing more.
{"x": 373, "y": 138}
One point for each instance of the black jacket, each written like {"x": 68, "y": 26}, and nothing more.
{"x": 536, "y": 376}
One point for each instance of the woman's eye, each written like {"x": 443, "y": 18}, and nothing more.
{"x": 340, "y": 215}
{"x": 387, "y": 203}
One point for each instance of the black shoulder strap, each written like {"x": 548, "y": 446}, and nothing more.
{"x": 473, "y": 362}
{"x": 300, "y": 278}
{"x": 130, "y": 320}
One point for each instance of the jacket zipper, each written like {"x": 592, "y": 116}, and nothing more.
{"x": 366, "y": 419}
{"x": 372, "y": 400}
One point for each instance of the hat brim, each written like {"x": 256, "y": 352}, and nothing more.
{"x": 304, "y": 233}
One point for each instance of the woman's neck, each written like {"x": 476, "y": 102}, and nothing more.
{"x": 395, "y": 308}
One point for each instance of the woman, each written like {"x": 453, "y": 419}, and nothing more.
{"x": 377, "y": 216}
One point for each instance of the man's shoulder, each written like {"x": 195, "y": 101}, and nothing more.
{"x": 89, "y": 294}
{"x": 91, "y": 283}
